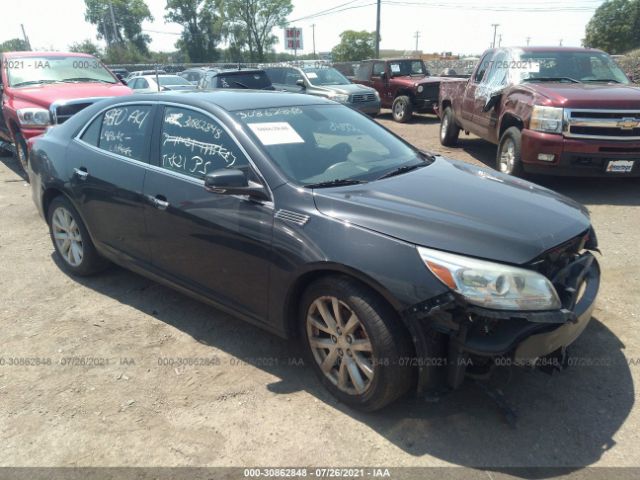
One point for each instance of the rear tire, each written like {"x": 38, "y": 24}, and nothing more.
{"x": 22, "y": 153}
{"x": 509, "y": 158}
{"x": 71, "y": 240}
{"x": 402, "y": 109}
{"x": 355, "y": 343}
{"x": 449, "y": 130}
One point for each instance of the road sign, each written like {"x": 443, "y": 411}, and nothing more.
{"x": 293, "y": 38}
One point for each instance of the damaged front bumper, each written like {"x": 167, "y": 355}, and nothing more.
{"x": 478, "y": 339}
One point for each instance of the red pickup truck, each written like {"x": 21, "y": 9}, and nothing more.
{"x": 41, "y": 89}
{"x": 565, "y": 111}
{"x": 404, "y": 84}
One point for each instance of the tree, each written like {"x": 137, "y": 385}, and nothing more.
{"x": 201, "y": 27}
{"x": 256, "y": 19}
{"x": 14, "y": 45}
{"x": 86, "y": 46}
{"x": 615, "y": 27}
{"x": 354, "y": 46}
{"x": 120, "y": 21}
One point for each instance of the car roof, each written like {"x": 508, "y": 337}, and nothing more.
{"x": 232, "y": 71}
{"x": 161, "y": 75}
{"x": 229, "y": 99}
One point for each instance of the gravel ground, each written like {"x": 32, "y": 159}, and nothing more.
{"x": 248, "y": 401}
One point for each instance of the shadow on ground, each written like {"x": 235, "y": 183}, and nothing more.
{"x": 12, "y": 164}
{"x": 589, "y": 191}
{"x": 417, "y": 118}
{"x": 565, "y": 420}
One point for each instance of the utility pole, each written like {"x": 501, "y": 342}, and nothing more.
{"x": 495, "y": 30}
{"x": 313, "y": 35}
{"x": 417, "y": 36}
{"x": 499, "y": 40}
{"x": 26, "y": 39}
{"x": 378, "y": 30}
{"x": 561, "y": 42}
{"x": 113, "y": 23}
{"x": 528, "y": 40}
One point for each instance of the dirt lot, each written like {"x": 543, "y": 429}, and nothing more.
{"x": 251, "y": 403}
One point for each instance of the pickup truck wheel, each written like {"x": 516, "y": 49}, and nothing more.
{"x": 449, "y": 131}
{"x": 355, "y": 343}
{"x": 402, "y": 109}
{"x": 71, "y": 239}
{"x": 21, "y": 150}
{"x": 509, "y": 160}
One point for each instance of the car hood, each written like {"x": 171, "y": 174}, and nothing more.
{"x": 581, "y": 95}
{"x": 45, "y": 95}
{"x": 348, "y": 88}
{"x": 460, "y": 208}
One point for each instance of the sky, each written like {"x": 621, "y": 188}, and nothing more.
{"x": 458, "y": 26}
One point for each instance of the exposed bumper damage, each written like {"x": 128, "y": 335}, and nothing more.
{"x": 480, "y": 339}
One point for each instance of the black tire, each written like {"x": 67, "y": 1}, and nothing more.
{"x": 391, "y": 344}
{"x": 22, "y": 153}
{"x": 449, "y": 130}
{"x": 510, "y": 164}
{"x": 402, "y": 109}
{"x": 91, "y": 262}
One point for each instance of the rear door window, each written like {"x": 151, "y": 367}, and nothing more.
{"x": 125, "y": 131}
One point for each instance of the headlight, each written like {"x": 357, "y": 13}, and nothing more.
{"x": 375, "y": 92}
{"x": 491, "y": 285}
{"x": 420, "y": 88}
{"x": 34, "y": 117}
{"x": 546, "y": 119}
{"x": 339, "y": 97}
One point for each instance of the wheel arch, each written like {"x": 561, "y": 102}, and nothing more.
{"x": 509, "y": 120}
{"x": 313, "y": 273}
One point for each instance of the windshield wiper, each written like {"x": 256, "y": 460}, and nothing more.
{"x": 33, "y": 82}
{"x": 240, "y": 83}
{"x": 338, "y": 182}
{"x": 403, "y": 169}
{"x": 608, "y": 80}
{"x": 551, "y": 79}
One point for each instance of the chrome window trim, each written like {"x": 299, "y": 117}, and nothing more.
{"x": 598, "y": 123}
{"x": 159, "y": 169}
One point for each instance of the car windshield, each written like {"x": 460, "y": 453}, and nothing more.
{"x": 325, "y": 76}
{"x": 251, "y": 80}
{"x": 402, "y": 68}
{"x": 173, "y": 80}
{"x": 25, "y": 71}
{"x": 328, "y": 144}
{"x": 570, "y": 66}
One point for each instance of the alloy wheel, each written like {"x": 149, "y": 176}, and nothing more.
{"x": 399, "y": 109}
{"x": 67, "y": 236}
{"x": 507, "y": 156}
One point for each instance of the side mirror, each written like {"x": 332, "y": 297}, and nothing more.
{"x": 300, "y": 83}
{"x": 493, "y": 101}
{"x": 232, "y": 181}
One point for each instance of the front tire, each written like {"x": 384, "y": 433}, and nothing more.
{"x": 402, "y": 109}
{"x": 449, "y": 130}
{"x": 22, "y": 153}
{"x": 509, "y": 158}
{"x": 71, "y": 239}
{"x": 355, "y": 343}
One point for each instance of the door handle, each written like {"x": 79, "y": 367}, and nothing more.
{"x": 81, "y": 173}
{"x": 159, "y": 201}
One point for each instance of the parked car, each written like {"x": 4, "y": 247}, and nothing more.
{"x": 195, "y": 75}
{"x": 121, "y": 73}
{"x": 325, "y": 82}
{"x": 250, "y": 78}
{"x": 153, "y": 83}
{"x": 40, "y": 89}
{"x": 404, "y": 85}
{"x": 311, "y": 220}
{"x": 558, "y": 111}
{"x": 141, "y": 73}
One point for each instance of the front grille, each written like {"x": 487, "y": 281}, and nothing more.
{"x": 603, "y": 124}
{"x": 430, "y": 91}
{"x": 63, "y": 111}
{"x": 363, "y": 97}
